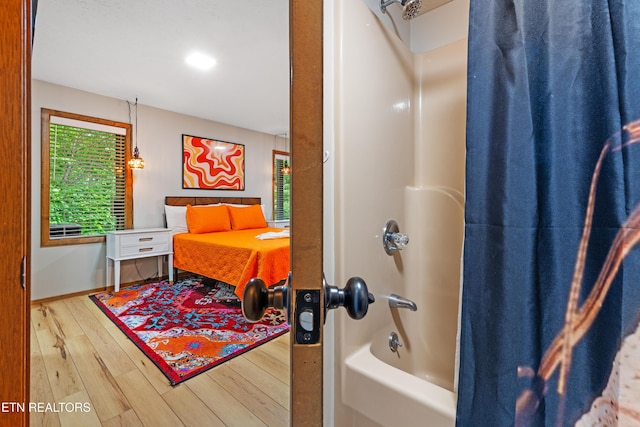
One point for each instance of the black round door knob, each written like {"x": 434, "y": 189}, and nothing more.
{"x": 355, "y": 297}
{"x": 256, "y": 298}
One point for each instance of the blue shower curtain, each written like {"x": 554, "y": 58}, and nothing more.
{"x": 551, "y": 283}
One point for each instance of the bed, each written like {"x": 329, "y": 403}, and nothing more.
{"x": 232, "y": 254}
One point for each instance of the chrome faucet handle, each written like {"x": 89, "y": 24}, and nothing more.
{"x": 400, "y": 240}
{"x": 392, "y": 239}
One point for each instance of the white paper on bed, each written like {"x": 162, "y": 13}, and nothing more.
{"x": 273, "y": 235}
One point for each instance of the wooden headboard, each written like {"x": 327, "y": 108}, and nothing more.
{"x": 197, "y": 200}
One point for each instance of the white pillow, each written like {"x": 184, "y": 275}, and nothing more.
{"x": 176, "y": 217}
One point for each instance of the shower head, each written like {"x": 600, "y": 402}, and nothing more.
{"x": 411, "y": 8}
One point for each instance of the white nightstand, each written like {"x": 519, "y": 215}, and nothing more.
{"x": 278, "y": 223}
{"x": 138, "y": 243}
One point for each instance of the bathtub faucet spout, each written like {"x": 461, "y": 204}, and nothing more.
{"x": 401, "y": 302}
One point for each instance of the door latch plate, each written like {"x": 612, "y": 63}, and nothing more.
{"x": 307, "y": 316}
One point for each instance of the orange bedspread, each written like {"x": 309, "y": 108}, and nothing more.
{"x": 233, "y": 257}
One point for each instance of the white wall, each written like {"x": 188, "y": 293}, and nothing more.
{"x": 68, "y": 269}
{"x": 398, "y": 122}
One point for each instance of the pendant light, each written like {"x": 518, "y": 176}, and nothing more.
{"x": 286, "y": 168}
{"x": 136, "y": 162}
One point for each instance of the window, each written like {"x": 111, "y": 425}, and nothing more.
{"x": 86, "y": 186}
{"x": 281, "y": 185}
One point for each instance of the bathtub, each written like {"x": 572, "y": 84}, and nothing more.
{"x": 393, "y": 397}
{"x": 415, "y": 385}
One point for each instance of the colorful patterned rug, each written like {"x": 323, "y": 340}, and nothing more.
{"x": 188, "y": 327}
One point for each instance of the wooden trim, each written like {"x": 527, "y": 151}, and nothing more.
{"x": 306, "y": 51}
{"x": 44, "y": 178}
{"x": 15, "y": 182}
{"x": 84, "y": 118}
{"x": 71, "y": 295}
{"x": 45, "y": 117}
{"x": 128, "y": 185}
{"x": 67, "y": 240}
{"x": 26, "y": 38}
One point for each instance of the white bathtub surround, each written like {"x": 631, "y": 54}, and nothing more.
{"x": 435, "y": 221}
{"x": 421, "y": 373}
{"x": 399, "y": 141}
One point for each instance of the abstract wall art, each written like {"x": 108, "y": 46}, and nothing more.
{"x": 212, "y": 164}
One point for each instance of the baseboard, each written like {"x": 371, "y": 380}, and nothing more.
{"x": 91, "y": 291}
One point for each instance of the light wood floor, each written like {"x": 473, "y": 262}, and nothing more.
{"x": 78, "y": 355}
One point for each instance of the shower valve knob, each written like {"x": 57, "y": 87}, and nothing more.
{"x": 355, "y": 297}
{"x": 392, "y": 239}
{"x": 400, "y": 240}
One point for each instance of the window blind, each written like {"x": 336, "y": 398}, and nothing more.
{"x": 281, "y": 189}
{"x": 87, "y": 180}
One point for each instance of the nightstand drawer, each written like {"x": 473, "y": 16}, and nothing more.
{"x": 145, "y": 239}
{"x": 144, "y": 250}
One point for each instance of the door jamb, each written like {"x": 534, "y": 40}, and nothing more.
{"x": 306, "y": 55}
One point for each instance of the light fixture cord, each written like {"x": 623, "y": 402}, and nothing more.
{"x": 136, "y": 122}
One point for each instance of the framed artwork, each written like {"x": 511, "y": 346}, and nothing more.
{"x": 212, "y": 164}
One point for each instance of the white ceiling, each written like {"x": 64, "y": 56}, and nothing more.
{"x": 137, "y": 48}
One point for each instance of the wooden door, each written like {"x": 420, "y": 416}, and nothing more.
{"x": 305, "y": 29}
{"x": 15, "y": 175}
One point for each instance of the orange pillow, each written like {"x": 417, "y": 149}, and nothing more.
{"x": 245, "y": 218}
{"x": 207, "y": 219}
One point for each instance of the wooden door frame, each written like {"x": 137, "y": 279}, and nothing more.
{"x": 306, "y": 59}
{"x": 15, "y": 216}
{"x": 306, "y": 56}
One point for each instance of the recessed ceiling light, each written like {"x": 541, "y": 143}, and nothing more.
{"x": 200, "y": 61}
